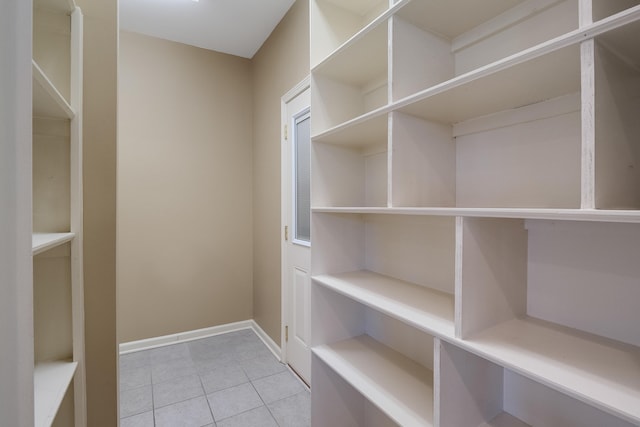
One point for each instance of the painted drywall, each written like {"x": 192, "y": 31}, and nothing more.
{"x": 279, "y": 65}
{"x": 16, "y": 297}
{"x": 184, "y": 188}
{"x": 99, "y": 161}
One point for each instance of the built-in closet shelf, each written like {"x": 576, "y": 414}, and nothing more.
{"x": 349, "y": 45}
{"x": 47, "y": 100}
{"x": 398, "y": 386}
{"x": 50, "y": 381}
{"x": 58, "y": 334}
{"x": 426, "y": 309}
{"x": 44, "y": 241}
{"x": 504, "y": 420}
{"x": 370, "y": 130}
{"x": 359, "y": 61}
{"x": 597, "y": 371}
{"x": 519, "y": 80}
{"x": 623, "y": 216}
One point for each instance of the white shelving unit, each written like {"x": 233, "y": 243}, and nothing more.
{"x": 475, "y": 200}
{"x": 59, "y": 383}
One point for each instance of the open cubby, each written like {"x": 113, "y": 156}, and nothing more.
{"x": 474, "y": 392}
{"x": 465, "y": 165}
{"x": 52, "y": 43}
{"x": 540, "y": 297}
{"x": 385, "y": 363}
{"x": 343, "y": 404}
{"x": 51, "y": 175}
{"x": 399, "y": 265}
{"x": 352, "y": 82}
{"x": 52, "y": 305}
{"x": 415, "y": 249}
{"x": 349, "y": 176}
{"x": 616, "y": 112}
{"x": 333, "y": 22}
{"x": 434, "y": 41}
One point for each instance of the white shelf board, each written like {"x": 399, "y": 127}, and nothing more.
{"x": 361, "y": 60}
{"x": 398, "y": 386}
{"x": 623, "y": 216}
{"x": 596, "y": 371}
{"x": 447, "y": 19}
{"x": 371, "y": 130}
{"x": 492, "y": 89}
{"x": 42, "y": 242}
{"x": 504, "y": 419}
{"x": 50, "y": 381}
{"x": 426, "y": 309}
{"x": 47, "y": 100}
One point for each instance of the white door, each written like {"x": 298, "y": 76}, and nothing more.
{"x": 296, "y": 218}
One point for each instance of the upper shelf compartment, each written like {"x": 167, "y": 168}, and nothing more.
{"x": 353, "y": 81}
{"x": 523, "y": 79}
{"x": 52, "y": 42}
{"x": 333, "y": 22}
{"x": 435, "y": 41}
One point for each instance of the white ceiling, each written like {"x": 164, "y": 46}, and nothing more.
{"x": 237, "y": 27}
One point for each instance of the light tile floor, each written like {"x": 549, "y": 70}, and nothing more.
{"x": 229, "y": 380}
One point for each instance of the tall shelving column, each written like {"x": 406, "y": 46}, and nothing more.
{"x": 475, "y": 213}
{"x": 58, "y": 300}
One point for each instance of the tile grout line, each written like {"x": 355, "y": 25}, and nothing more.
{"x": 233, "y": 349}
{"x": 204, "y": 391}
{"x": 264, "y": 403}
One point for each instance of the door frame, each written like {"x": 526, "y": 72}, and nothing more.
{"x": 284, "y": 189}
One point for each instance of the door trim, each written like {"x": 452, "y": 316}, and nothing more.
{"x": 284, "y": 161}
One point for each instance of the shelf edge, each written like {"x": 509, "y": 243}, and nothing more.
{"x": 45, "y": 83}
{"x": 42, "y": 242}
{"x": 595, "y": 215}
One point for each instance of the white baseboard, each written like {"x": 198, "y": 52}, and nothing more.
{"x": 275, "y": 348}
{"x": 149, "y": 343}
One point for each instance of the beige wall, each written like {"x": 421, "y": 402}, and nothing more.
{"x": 184, "y": 188}
{"x": 280, "y": 64}
{"x": 100, "y": 102}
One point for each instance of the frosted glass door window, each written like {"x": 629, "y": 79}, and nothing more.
{"x": 302, "y": 183}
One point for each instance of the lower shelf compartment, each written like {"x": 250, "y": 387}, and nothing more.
{"x": 589, "y": 369}
{"x": 50, "y": 382}
{"x": 398, "y": 386}
{"x": 427, "y": 309}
